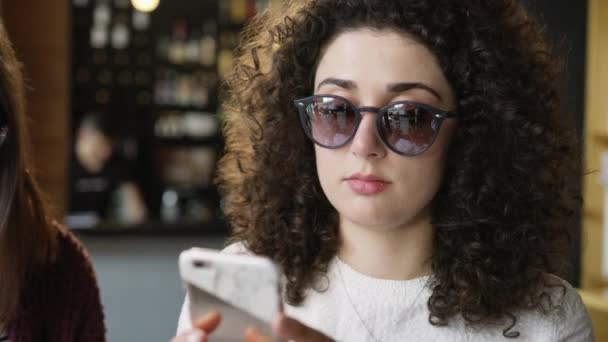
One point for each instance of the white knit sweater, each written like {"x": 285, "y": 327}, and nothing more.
{"x": 354, "y": 307}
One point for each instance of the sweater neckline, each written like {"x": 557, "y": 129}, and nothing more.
{"x": 353, "y": 276}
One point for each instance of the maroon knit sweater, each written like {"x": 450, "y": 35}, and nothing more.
{"x": 61, "y": 301}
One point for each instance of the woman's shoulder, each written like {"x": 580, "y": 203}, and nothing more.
{"x": 72, "y": 264}
{"x": 65, "y": 293}
{"x": 71, "y": 250}
{"x": 563, "y": 310}
{"x": 561, "y": 293}
{"x": 69, "y": 268}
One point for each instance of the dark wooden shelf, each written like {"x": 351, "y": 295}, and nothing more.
{"x": 186, "y": 66}
{"x": 213, "y": 228}
{"x": 187, "y": 141}
{"x": 186, "y": 108}
{"x": 232, "y": 26}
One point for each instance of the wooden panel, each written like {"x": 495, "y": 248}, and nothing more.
{"x": 596, "y": 124}
{"x": 592, "y": 252}
{"x": 599, "y": 319}
{"x": 40, "y": 33}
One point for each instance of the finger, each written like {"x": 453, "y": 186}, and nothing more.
{"x": 253, "y": 334}
{"x": 209, "y": 322}
{"x": 291, "y": 329}
{"x": 191, "y": 336}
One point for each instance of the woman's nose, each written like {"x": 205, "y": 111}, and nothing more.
{"x": 366, "y": 143}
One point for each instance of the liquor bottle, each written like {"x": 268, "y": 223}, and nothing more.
{"x": 102, "y": 14}
{"x": 208, "y": 50}
{"x": 183, "y": 90}
{"x": 238, "y": 11}
{"x": 120, "y": 35}
{"x": 141, "y": 20}
{"x": 225, "y": 60}
{"x": 169, "y": 210}
{"x": 177, "y": 43}
{"x": 192, "y": 47}
{"x": 99, "y": 36}
{"x": 171, "y": 86}
{"x": 200, "y": 92}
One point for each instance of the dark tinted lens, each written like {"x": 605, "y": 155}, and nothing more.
{"x": 408, "y": 128}
{"x": 331, "y": 121}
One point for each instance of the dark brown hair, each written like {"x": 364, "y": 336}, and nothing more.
{"x": 27, "y": 237}
{"x": 508, "y": 201}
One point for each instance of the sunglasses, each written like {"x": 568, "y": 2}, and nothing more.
{"x": 407, "y": 128}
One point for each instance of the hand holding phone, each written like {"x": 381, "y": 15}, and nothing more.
{"x": 244, "y": 289}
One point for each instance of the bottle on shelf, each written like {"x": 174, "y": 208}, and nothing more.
{"x": 192, "y": 48}
{"x": 208, "y": 45}
{"x": 141, "y": 20}
{"x": 200, "y": 91}
{"x": 120, "y": 35}
{"x": 102, "y": 14}
{"x": 176, "y": 52}
{"x": 169, "y": 211}
{"x": 99, "y": 36}
{"x": 238, "y": 11}
{"x": 183, "y": 90}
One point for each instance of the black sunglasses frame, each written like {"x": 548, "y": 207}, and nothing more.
{"x": 438, "y": 114}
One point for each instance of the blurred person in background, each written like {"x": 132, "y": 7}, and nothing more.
{"x": 48, "y": 288}
{"x": 101, "y": 184}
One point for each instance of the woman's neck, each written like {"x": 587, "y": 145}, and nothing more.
{"x": 397, "y": 253}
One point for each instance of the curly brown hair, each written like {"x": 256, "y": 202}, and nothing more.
{"x": 508, "y": 201}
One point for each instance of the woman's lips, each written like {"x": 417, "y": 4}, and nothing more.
{"x": 366, "y": 185}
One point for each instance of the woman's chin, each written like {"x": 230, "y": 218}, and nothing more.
{"x": 373, "y": 221}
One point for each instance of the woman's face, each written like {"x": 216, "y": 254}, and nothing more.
{"x": 362, "y": 66}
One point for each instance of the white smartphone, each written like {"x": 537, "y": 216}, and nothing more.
{"x": 245, "y": 290}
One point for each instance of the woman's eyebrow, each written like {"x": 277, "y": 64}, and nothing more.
{"x": 398, "y": 87}
{"x": 346, "y": 84}
{"x": 405, "y": 86}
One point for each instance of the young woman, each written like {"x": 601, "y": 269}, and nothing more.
{"x": 48, "y": 290}
{"x": 431, "y": 191}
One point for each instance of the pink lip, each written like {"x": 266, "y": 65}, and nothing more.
{"x": 366, "y": 184}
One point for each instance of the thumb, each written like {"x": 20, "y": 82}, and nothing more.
{"x": 209, "y": 322}
{"x": 253, "y": 334}
{"x": 191, "y": 336}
